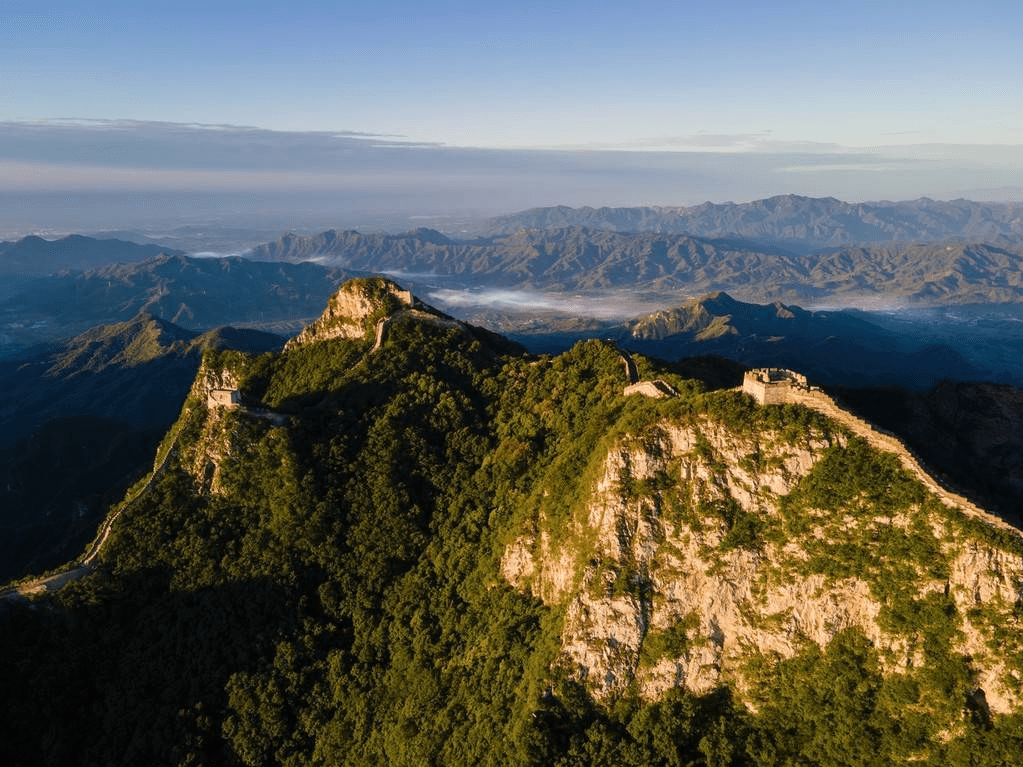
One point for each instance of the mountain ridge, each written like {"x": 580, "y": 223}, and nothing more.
{"x": 577, "y": 259}
{"x": 832, "y": 347}
{"x": 793, "y": 220}
{"x": 33, "y": 255}
{"x": 444, "y": 550}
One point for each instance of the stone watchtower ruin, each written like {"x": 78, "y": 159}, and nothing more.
{"x": 228, "y": 398}
{"x": 774, "y": 386}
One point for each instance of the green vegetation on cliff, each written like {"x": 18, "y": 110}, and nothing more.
{"x": 316, "y": 578}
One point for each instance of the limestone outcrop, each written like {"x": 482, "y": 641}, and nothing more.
{"x": 659, "y": 589}
{"x": 355, "y": 310}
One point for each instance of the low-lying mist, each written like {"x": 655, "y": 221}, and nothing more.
{"x": 617, "y": 305}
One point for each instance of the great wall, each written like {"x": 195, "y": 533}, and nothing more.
{"x": 768, "y": 386}
{"x": 776, "y": 386}
{"x": 82, "y": 567}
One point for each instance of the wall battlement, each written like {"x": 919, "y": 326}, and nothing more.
{"x": 775, "y": 386}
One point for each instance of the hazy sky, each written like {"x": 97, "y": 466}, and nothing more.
{"x": 863, "y": 100}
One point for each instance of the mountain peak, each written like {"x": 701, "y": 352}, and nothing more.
{"x": 426, "y": 234}
{"x": 355, "y": 308}
{"x": 140, "y": 339}
{"x": 719, "y": 297}
{"x": 718, "y": 303}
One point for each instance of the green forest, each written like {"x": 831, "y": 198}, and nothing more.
{"x": 323, "y": 587}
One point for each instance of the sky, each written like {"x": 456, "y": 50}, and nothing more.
{"x": 450, "y": 106}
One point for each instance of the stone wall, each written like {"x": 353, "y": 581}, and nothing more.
{"x": 773, "y": 386}
{"x": 779, "y": 391}
{"x": 228, "y": 398}
{"x": 657, "y": 389}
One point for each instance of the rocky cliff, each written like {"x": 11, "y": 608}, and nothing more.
{"x": 702, "y": 553}
{"x": 354, "y": 310}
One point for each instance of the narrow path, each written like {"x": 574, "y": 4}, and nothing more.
{"x": 890, "y": 443}
{"x": 74, "y": 571}
{"x": 631, "y": 373}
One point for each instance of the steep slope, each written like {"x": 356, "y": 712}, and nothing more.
{"x": 422, "y": 546}
{"x": 715, "y": 550}
{"x": 79, "y": 424}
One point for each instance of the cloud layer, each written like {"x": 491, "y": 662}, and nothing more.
{"x": 223, "y": 170}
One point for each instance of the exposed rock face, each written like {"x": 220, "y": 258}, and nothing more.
{"x": 659, "y": 591}
{"x": 212, "y": 400}
{"x": 353, "y": 310}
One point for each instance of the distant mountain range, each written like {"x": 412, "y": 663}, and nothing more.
{"x": 195, "y": 293}
{"x": 793, "y": 221}
{"x": 35, "y": 256}
{"x": 831, "y": 347}
{"x": 759, "y": 253}
{"x": 787, "y": 248}
{"x": 578, "y": 259}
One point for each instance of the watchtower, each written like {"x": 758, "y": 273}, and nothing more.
{"x": 228, "y": 398}
{"x": 773, "y": 386}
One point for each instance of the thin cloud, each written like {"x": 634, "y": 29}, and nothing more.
{"x": 848, "y": 166}
{"x": 616, "y": 306}
{"x": 104, "y": 172}
{"x": 157, "y": 125}
{"x": 909, "y": 133}
{"x": 138, "y": 144}
{"x": 763, "y": 142}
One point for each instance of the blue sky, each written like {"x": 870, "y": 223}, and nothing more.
{"x": 907, "y": 85}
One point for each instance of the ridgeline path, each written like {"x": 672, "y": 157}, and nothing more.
{"x": 80, "y": 568}
{"x": 890, "y": 443}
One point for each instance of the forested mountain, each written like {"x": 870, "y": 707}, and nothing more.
{"x": 797, "y": 222}
{"x": 404, "y": 541}
{"x": 592, "y": 260}
{"x": 80, "y": 422}
{"x": 35, "y": 256}
{"x": 832, "y": 347}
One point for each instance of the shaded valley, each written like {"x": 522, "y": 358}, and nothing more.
{"x": 80, "y": 423}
